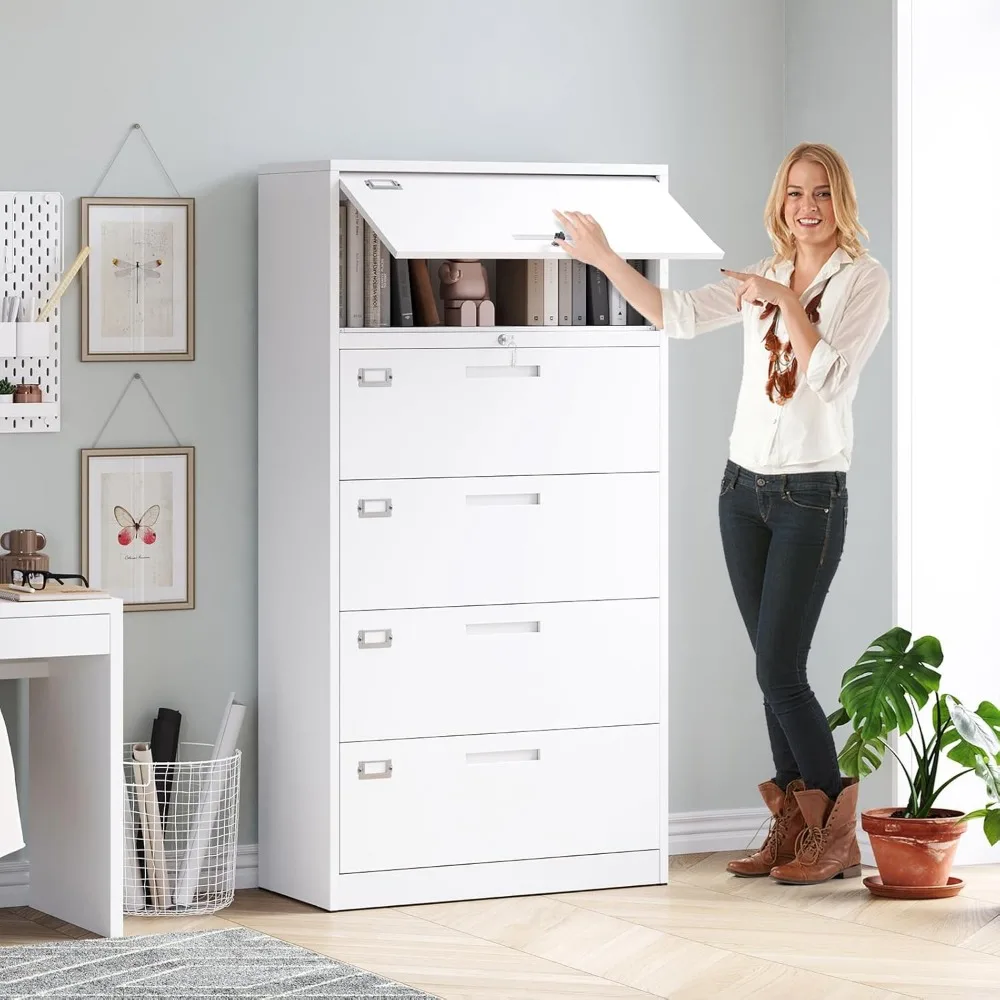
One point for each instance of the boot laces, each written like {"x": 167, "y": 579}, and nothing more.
{"x": 810, "y": 844}
{"x": 775, "y": 835}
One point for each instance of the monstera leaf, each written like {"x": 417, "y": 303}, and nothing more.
{"x": 838, "y": 718}
{"x": 876, "y": 690}
{"x": 991, "y": 826}
{"x": 860, "y": 757}
{"x": 989, "y": 771}
{"x": 972, "y": 740}
{"x": 991, "y": 822}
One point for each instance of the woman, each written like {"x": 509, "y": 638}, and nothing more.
{"x": 812, "y": 315}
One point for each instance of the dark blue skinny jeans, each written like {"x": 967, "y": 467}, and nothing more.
{"x": 782, "y": 537}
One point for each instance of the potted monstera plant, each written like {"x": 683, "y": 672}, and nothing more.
{"x": 884, "y": 693}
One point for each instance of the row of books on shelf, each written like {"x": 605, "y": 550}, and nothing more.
{"x": 380, "y": 290}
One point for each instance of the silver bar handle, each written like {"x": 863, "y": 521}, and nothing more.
{"x": 375, "y": 507}
{"x": 374, "y": 378}
{"x": 374, "y": 638}
{"x": 372, "y": 770}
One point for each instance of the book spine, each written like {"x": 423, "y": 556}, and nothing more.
{"x": 566, "y": 292}
{"x": 372, "y": 308}
{"x": 579, "y": 293}
{"x": 384, "y": 293}
{"x": 616, "y": 305}
{"x": 342, "y": 286}
{"x": 597, "y": 297}
{"x": 355, "y": 267}
{"x": 632, "y": 315}
{"x": 536, "y": 302}
{"x": 550, "y": 292}
{"x": 400, "y": 295}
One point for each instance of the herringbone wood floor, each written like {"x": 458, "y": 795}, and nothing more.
{"x": 706, "y": 936}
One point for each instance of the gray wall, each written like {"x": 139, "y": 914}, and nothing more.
{"x": 853, "y": 112}
{"x": 221, "y": 87}
{"x": 713, "y": 691}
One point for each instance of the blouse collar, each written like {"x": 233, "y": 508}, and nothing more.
{"x": 839, "y": 258}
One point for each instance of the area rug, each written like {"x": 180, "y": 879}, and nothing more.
{"x": 229, "y": 963}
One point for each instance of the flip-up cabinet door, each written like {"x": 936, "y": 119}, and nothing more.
{"x": 493, "y": 216}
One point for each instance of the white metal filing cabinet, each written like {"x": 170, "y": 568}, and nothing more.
{"x": 463, "y": 551}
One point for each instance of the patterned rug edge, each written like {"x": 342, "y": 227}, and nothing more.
{"x": 209, "y": 942}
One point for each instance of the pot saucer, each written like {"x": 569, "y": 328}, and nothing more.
{"x": 875, "y": 885}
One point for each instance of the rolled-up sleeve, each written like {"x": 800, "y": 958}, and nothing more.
{"x": 711, "y": 307}
{"x": 842, "y": 352}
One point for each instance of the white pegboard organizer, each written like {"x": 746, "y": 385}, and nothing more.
{"x": 31, "y": 228}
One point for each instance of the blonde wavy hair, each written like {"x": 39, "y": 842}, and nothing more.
{"x": 845, "y": 203}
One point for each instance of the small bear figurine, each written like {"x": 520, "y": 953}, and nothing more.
{"x": 465, "y": 294}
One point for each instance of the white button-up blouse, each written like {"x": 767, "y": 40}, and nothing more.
{"x": 814, "y": 430}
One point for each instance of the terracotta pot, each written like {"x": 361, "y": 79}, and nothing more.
{"x": 913, "y": 852}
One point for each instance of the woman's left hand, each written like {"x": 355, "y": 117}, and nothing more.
{"x": 757, "y": 290}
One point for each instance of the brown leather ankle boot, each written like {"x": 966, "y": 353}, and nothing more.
{"x": 828, "y": 845}
{"x": 779, "y": 845}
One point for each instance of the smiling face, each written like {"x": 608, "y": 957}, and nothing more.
{"x": 808, "y": 208}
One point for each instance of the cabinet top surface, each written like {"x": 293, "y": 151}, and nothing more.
{"x": 50, "y": 609}
{"x": 465, "y": 166}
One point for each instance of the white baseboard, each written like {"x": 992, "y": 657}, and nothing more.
{"x": 716, "y": 830}
{"x": 15, "y": 876}
{"x": 690, "y": 833}
{"x": 730, "y": 830}
{"x": 246, "y": 866}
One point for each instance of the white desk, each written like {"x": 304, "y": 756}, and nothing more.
{"x": 72, "y": 653}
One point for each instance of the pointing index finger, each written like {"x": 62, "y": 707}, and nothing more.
{"x": 736, "y": 274}
{"x": 567, "y": 223}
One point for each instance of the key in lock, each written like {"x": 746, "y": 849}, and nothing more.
{"x": 507, "y": 340}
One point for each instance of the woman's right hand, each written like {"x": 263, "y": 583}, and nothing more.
{"x": 585, "y": 238}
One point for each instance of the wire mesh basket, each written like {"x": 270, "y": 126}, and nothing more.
{"x": 181, "y": 822}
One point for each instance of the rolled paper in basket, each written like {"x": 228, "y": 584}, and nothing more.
{"x": 211, "y": 839}
{"x": 64, "y": 284}
{"x": 152, "y": 831}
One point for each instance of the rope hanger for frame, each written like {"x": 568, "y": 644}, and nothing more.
{"x": 133, "y": 128}
{"x": 133, "y": 378}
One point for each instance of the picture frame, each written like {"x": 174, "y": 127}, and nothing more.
{"x": 137, "y": 525}
{"x": 137, "y": 300}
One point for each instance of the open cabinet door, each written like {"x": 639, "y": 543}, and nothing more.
{"x": 493, "y": 216}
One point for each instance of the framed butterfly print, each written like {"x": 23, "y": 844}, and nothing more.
{"x": 137, "y": 529}
{"x": 138, "y": 281}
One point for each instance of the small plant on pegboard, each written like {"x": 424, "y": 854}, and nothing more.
{"x": 6, "y": 390}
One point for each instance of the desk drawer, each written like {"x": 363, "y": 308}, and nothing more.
{"x": 446, "y": 542}
{"x": 465, "y": 800}
{"x": 452, "y": 671}
{"x": 61, "y": 635}
{"x": 470, "y": 413}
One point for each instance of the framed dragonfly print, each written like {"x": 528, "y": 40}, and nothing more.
{"x": 138, "y": 281}
{"x": 137, "y": 528}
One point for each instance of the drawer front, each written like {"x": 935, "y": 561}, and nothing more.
{"x": 466, "y": 800}
{"x": 456, "y": 671}
{"x": 55, "y": 636}
{"x": 446, "y": 542}
{"x": 470, "y": 413}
